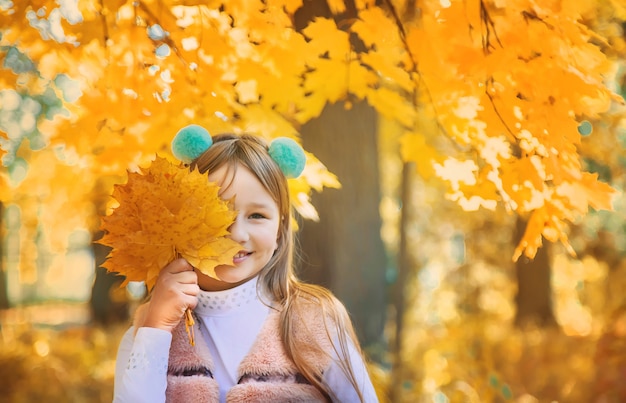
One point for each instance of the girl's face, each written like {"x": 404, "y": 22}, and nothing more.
{"x": 255, "y": 228}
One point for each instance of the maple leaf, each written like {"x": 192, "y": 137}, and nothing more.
{"x": 166, "y": 211}
{"x": 588, "y": 192}
{"x": 325, "y": 38}
{"x": 414, "y": 147}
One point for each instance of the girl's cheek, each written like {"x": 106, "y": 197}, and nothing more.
{"x": 271, "y": 234}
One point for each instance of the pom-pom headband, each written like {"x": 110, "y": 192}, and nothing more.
{"x": 191, "y": 141}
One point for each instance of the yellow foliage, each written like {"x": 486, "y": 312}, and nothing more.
{"x": 392, "y": 105}
{"x": 504, "y": 84}
{"x": 493, "y": 66}
{"x": 315, "y": 177}
{"x": 326, "y": 38}
{"x": 4, "y": 187}
{"x": 76, "y": 363}
{"x": 414, "y": 145}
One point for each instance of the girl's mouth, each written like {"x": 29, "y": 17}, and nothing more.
{"x": 241, "y": 256}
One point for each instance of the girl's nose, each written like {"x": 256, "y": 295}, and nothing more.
{"x": 238, "y": 231}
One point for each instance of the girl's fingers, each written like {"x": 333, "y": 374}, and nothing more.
{"x": 191, "y": 301}
{"x": 190, "y": 289}
{"x": 186, "y": 277}
{"x": 178, "y": 266}
{"x": 176, "y": 291}
{"x": 179, "y": 271}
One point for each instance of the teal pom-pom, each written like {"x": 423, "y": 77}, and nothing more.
{"x": 190, "y": 142}
{"x": 288, "y": 155}
{"x": 585, "y": 128}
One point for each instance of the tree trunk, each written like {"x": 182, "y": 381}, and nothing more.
{"x": 406, "y": 275}
{"x": 344, "y": 251}
{"x": 105, "y": 309}
{"x": 534, "y": 291}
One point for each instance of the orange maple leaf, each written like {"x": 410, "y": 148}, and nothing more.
{"x": 166, "y": 211}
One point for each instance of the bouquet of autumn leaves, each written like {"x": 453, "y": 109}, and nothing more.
{"x": 167, "y": 211}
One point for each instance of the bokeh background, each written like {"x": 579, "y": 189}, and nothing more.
{"x": 445, "y": 305}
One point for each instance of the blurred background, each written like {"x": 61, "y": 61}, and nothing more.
{"x": 445, "y": 306}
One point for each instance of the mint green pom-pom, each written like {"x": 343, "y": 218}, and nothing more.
{"x": 585, "y": 128}
{"x": 190, "y": 142}
{"x": 288, "y": 155}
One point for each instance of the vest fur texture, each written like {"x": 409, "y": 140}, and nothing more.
{"x": 265, "y": 374}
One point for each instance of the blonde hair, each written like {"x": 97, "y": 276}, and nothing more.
{"x": 278, "y": 277}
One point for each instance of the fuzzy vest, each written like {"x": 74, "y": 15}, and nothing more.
{"x": 265, "y": 374}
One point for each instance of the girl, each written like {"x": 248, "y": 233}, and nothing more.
{"x": 262, "y": 335}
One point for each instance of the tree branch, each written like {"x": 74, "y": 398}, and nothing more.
{"x": 151, "y": 20}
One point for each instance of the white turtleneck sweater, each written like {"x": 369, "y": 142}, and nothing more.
{"x": 230, "y": 321}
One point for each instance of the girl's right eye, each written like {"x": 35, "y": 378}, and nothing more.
{"x": 257, "y": 216}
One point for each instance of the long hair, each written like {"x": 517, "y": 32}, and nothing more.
{"x": 278, "y": 277}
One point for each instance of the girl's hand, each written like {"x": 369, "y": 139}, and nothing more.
{"x": 176, "y": 289}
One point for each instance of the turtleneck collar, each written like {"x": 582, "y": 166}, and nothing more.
{"x": 220, "y": 303}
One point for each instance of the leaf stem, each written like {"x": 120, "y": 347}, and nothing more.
{"x": 189, "y": 322}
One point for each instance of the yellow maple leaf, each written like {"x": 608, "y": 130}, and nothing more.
{"x": 329, "y": 78}
{"x": 414, "y": 147}
{"x": 325, "y": 38}
{"x": 532, "y": 240}
{"x": 392, "y": 105}
{"x": 336, "y": 6}
{"x": 166, "y": 211}
{"x": 376, "y": 29}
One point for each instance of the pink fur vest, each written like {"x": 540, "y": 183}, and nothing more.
{"x": 266, "y": 374}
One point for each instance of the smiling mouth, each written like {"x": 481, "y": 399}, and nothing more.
{"x": 241, "y": 256}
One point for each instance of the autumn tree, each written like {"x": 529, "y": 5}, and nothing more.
{"x": 344, "y": 249}
{"x": 490, "y": 96}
